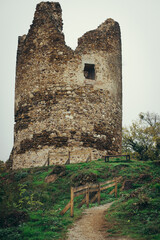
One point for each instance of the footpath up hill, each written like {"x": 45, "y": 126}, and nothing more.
{"x": 31, "y": 199}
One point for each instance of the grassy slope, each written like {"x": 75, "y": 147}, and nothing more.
{"x": 30, "y": 207}
{"x": 137, "y": 212}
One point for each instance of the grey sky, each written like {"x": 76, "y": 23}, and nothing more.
{"x": 139, "y": 21}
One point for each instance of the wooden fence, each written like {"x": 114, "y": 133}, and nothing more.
{"x": 90, "y": 188}
{"x": 87, "y": 158}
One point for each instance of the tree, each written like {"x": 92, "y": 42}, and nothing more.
{"x": 143, "y": 137}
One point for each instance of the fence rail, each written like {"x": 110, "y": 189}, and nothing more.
{"x": 76, "y": 191}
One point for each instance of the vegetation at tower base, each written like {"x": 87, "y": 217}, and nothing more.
{"x": 30, "y": 206}
{"x": 2, "y": 166}
{"x": 142, "y": 138}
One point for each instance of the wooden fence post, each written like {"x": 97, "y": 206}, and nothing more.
{"x": 87, "y": 196}
{"x": 69, "y": 155}
{"x": 116, "y": 189}
{"x": 91, "y": 155}
{"x": 99, "y": 194}
{"x": 48, "y": 159}
{"x": 72, "y": 201}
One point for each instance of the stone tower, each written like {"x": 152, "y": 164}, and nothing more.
{"x": 68, "y": 104}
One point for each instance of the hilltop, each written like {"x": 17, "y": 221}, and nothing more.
{"x": 30, "y": 203}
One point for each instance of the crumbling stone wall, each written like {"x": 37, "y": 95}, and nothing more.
{"x": 67, "y": 103}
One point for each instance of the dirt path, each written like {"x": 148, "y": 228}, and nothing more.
{"x": 92, "y": 225}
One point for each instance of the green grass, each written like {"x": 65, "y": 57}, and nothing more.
{"x": 137, "y": 212}
{"x": 30, "y": 207}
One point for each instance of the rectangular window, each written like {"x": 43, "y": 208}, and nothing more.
{"x": 89, "y": 71}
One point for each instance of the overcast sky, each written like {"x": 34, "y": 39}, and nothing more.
{"x": 139, "y": 21}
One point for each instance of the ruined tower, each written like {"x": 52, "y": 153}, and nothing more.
{"x": 68, "y": 104}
